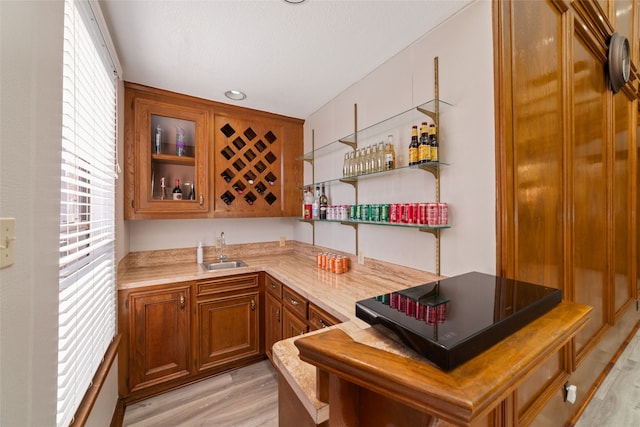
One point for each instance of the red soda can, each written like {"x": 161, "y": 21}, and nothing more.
{"x": 444, "y": 213}
{"x": 433, "y": 214}
{"x": 393, "y": 213}
{"x": 441, "y": 313}
{"x": 393, "y": 301}
{"x": 411, "y": 307}
{"x": 422, "y": 213}
{"x": 404, "y": 216}
{"x": 402, "y": 304}
{"x": 420, "y": 311}
{"x": 432, "y": 315}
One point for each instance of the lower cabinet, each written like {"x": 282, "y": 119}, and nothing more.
{"x": 177, "y": 333}
{"x": 156, "y": 324}
{"x": 228, "y": 326}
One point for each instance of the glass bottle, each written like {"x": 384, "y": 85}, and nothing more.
{"x": 158, "y": 140}
{"x": 367, "y": 160}
{"x": 177, "y": 192}
{"x": 180, "y": 141}
{"x": 413, "y": 146}
{"x": 389, "y": 154}
{"x": 352, "y": 155}
{"x": 433, "y": 141}
{"x": 345, "y": 166}
{"x": 192, "y": 192}
{"x": 380, "y": 158}
{"x": 424, "y": 150}
{"x": 163, "y": 189}
{"x": 373, "y": 160}
{"x": 324, "y": 204}
{"x": 315, "y": 206}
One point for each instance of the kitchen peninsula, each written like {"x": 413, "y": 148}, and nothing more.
{"x": 355, "y": 359}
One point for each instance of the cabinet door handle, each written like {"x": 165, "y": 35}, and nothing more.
{"x": 201, "y": 200}
{"x": 273, "y": 286}
{"x": 324, "y": 325}
{"x": 253, "y": 305}
{"x": 294, "y": 302}
{"x": 278, "y": 315}
{"x": 181, "y": 302}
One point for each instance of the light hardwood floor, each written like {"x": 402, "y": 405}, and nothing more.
{"x": 617, "y": 401}
{"x": 246, "y": 397}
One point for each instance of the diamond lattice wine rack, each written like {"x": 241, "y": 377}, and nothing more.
{"x": 247, "y": 166}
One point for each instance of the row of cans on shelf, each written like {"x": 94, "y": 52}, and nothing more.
{"x": 431, "y": 214}
{"x": 430, "y": 314}
{"x": 334, "y": 263}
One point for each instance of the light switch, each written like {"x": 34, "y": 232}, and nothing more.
{"x": 7, "y": 241}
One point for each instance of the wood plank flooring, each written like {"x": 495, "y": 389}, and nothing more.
{"x": 246, "y": 397}
{"x": 617, "y": 401}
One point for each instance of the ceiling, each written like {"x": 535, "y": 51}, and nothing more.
{"x": 289, "y": 59}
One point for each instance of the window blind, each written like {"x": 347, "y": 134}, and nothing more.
{"x": 87, "y": 293}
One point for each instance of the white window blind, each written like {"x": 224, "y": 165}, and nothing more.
{"x": 87, "y": 293}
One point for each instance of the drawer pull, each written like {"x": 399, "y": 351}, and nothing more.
{"x": 324, "y": 325}
{"x": 181, "y": 302}
{"x": 294, "y": 302}
{"x": 253, "y": 305}
{"x": 273, "y": 286}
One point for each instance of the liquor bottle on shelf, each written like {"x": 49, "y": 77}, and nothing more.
{"x": 433, "y": 142}
{"x": 324, "y": 204}
{"x": 424, "y": 150}
{"x": 380, "y": 158}
{"x": 373, "y": 160}
{"x": 307, "y": 204}
{"x": 158, "y": 140}
{"x": 345, "y": 166}
{"x": 413, "y": 146}
{"x": 389, "y": 154}
{"x": 180, "y": 148}
{"x": 192, "y": 192}
{"x": 177, "y": 192}
{"x": 315, "y": 206}
{"x": 163, "y": 189}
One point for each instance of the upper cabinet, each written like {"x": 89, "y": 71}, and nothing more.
{"x": 226, "y": 161}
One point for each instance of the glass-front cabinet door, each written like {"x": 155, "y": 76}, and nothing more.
{"x": 171, "y": 152}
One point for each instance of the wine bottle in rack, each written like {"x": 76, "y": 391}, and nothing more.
{"x": 177, "y": 192}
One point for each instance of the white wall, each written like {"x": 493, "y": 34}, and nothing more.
{"x": 30, "y": 131}
{"x": 464, "y": 47}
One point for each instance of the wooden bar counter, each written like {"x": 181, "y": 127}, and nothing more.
{"x": 364, "y": 384}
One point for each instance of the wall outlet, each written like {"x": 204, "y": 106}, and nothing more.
{"x": 360, "y": 257}
{"x": 282, "y": 241}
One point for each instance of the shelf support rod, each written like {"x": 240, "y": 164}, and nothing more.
{"x": 355, "y": 183}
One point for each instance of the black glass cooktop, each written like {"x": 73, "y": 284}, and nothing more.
{"x": 455, "y": 319}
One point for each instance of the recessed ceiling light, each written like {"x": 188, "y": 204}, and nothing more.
{"x": 236, "y": 95}
{"x": 294, "y": 1}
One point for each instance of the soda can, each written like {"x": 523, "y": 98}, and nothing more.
{"x": 358, "y": 213}
{"x": 393, "y": 215}
{"x": 442, "y": 313}
{"x": 420, "y": 311}
{"x": 411, "y": 307}
{"x": 384, "y": 212}
{"x": 345, "y": 263}
{"x": 403, "y": 213}
{"x": 352, "y": 212}
{"x": 394, "y": 299}
{"x": 433, "y": 214}
{"x": 323, "y": 261}
{"x": 422, "y": 213}
{"x": 366, "y": 213}
{"x": 319, "y": 260}
{"x": 431, "y": 315}
{"x": 375, "y": 213}
{"x": 402, "y": 304}
{"x": 385, "y": 299}
{"x": 444, "y": 213}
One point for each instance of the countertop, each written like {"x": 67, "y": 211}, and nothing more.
{"x": 295, "y": 266}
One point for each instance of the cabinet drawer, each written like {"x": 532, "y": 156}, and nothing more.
{"x": 227, "y": 284}
{"x": 295, "y": 302}
{"x": 273, "y": 286}
{"x": 318, "y": 318}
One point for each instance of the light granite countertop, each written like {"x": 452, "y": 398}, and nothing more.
{"x": 295, "y": 266}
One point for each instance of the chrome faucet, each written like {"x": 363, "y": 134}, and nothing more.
{"x": 221, "y": 244}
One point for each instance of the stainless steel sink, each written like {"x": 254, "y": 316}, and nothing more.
{"x": 223, "y": 265}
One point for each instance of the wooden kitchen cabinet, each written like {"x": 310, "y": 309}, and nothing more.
{"x": 272, "y": 314}
{"x": 156, "y": 327}
{"x": 177, "y": 333}
{"x": 148, "y": 165}
{"x": 241, "y": 162}
{"x": 319, "y": 319}
{"x": 228, "y": 321}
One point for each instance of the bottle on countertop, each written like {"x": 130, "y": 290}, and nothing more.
{"x": 163, "y": 189}
{"x": 413, "y": 146}
{"x": 199, "y": 253}
{"x": 158, "y": 140}
{"x": 315, "y": 206}
{"x": 177, "y": 192}
{"x": 389, "y": 154}
{"x": 324, "y": 204}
